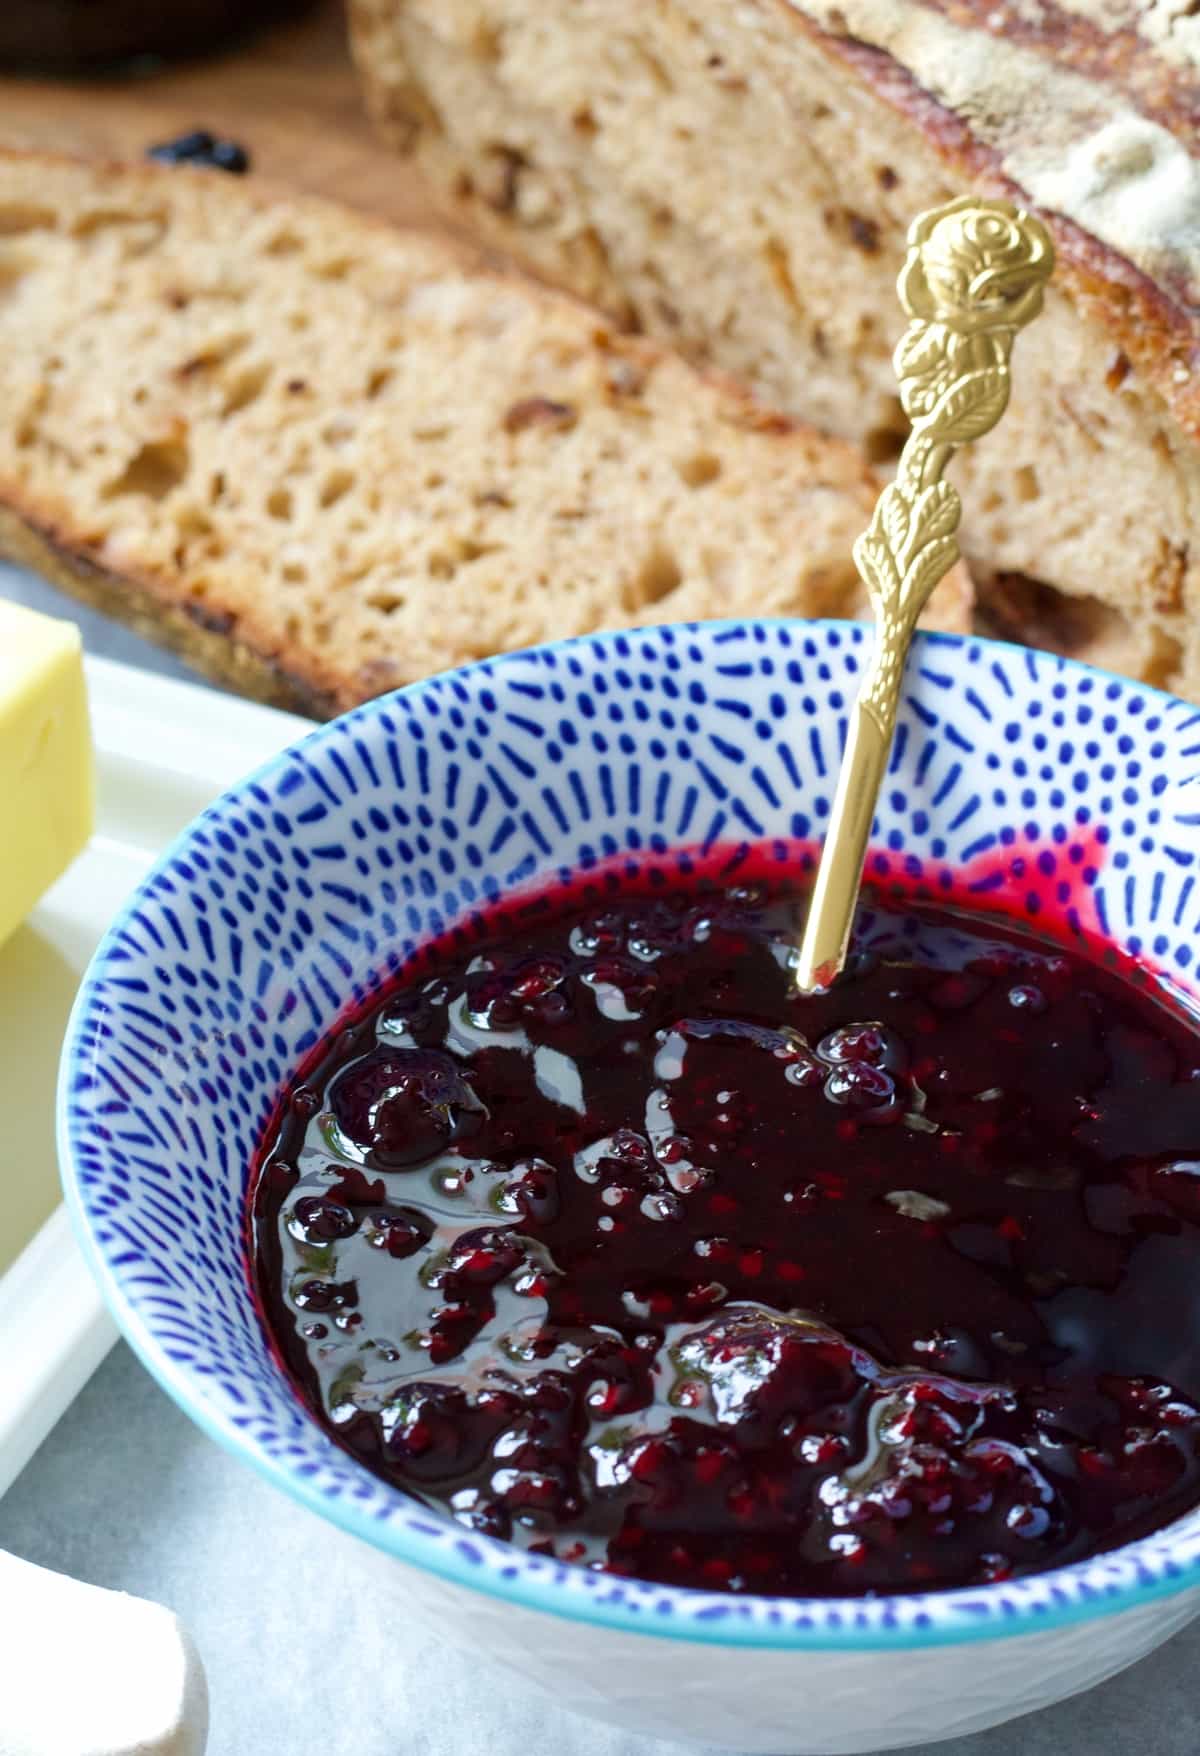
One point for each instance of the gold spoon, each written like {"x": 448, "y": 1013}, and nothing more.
{"x": 972, "y": 278}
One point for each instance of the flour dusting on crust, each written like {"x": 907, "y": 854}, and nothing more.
{"x": 1074, "y": 145}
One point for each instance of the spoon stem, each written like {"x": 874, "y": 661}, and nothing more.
{"x": 973, "y": 277}
{"x": 827, "y": 933}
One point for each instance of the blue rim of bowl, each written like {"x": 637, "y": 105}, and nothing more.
{"x": 932, "y": 1618}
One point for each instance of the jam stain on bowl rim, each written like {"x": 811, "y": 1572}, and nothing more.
{"x": 527, "y": 762}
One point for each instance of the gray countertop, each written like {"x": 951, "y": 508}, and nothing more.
{"x": 127, "y": 1493}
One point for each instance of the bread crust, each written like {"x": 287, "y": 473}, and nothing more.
{"x": 184, "y": 629}
{"x": 206, "y": 640}
{"x": 1155, "y": 325}
{"x": 1150, "y": 52}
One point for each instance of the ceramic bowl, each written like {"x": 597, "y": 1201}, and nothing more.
{"x": 1042, "y": 785}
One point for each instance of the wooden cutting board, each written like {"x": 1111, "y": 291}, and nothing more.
{"x": 289, "y": 95}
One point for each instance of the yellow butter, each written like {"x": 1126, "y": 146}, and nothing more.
{"x": 46, "y": 781}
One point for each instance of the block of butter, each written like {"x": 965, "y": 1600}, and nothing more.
{"x": 46, "y": 781}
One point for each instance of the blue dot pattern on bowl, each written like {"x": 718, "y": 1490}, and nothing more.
{"x": 305, "y": 886}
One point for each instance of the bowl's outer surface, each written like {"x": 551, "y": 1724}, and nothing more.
{"x": 1043, "y": 786}
{"x": 778, "y": 1703}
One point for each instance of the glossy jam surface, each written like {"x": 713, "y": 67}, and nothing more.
{"x": 597, "y": 1237}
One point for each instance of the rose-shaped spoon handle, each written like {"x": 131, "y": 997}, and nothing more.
{"x": 973, "y": 276}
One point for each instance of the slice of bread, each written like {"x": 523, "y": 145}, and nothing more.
{"x": 737, "y": 180}
{"x": 321, "y": 457}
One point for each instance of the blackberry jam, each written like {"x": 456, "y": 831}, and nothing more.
{"x": 595, "y": 1236}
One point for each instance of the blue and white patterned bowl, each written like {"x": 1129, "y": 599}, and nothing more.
{"x": 1041, "y": 781}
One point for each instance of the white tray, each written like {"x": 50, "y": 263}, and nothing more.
{"x": 163, "y": 751}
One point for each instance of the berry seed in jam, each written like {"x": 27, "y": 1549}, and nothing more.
{"x": 597, "y": 1237}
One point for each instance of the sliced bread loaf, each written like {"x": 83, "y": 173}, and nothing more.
{"x": 323, "y": 457}
{"x": 737, "y": 180}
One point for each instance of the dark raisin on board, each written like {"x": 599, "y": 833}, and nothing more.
{"x": 199, "y": 147}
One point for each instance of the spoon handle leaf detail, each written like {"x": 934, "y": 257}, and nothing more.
{"x": 974, "y": 275}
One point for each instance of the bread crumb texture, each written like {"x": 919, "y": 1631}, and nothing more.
{"x": 362, "y": 457}
{"x": 737, "y": 181}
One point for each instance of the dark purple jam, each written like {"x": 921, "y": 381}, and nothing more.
{"x": 595, "y": 1236}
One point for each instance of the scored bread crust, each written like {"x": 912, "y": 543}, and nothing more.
{"x": 322, "y": 457}
{"x": 738, "y": 180}
{"x": 1140, "y": 280}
